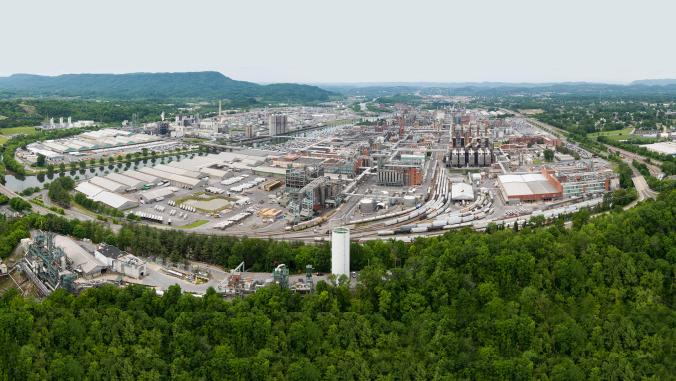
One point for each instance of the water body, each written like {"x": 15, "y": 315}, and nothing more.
{"x": 19, "y": 183}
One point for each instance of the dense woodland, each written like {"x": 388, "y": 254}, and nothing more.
{"x": 595, "y": 301}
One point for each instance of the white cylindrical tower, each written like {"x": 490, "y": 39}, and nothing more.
{"x": 340, "y": 251}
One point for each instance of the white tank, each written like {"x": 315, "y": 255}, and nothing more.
{"x": 340, "y": 251}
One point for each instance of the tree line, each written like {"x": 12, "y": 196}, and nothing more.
{"x": 595, "y": 301}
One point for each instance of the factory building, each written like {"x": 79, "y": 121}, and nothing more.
{"x": 120, "y": 261}
{"x": 47, "y": 264}
{"x": 78, "y": 260}
{"x": 399, "y": 175}
{"x": 340, "y": 251}
{"x": 277, "y": 124}
{"x": 584, "y": 183}
{"x": 297, "y": 178}
{"x": 318, "y": 194}
{"x": 470, "y": 147}
{"x": 529, "y": 187}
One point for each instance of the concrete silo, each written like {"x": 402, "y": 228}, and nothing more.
{"x": 340, "y": 251}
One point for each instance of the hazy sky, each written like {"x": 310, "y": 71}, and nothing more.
{"x": 345, "y": 41}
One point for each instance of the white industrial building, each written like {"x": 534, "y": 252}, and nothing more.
{"x": 178, "y": 180}
{"x": 81, "y": 260}
{"x": 462, "y": 192}
{"x": 340, "y": 251}
{"x": 108, "y": 184}
{"x": 114, "y": 200}
{"x": 145, "y": 177}
{"x": 88, "y": 189}
{"x": 153, "y": 195}
{"x": 130, "y": 182}
{"x": 120, "y": 261}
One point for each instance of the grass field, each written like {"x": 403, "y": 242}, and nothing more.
{"x": 193, "y": 225}
{"x": 3, "y": 139}
{"x": 622, "y": 134}
{"x": 17, "y": 130}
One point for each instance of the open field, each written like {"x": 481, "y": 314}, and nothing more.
{"x": 622, "y": 134}
{"x": 26, "y": 130}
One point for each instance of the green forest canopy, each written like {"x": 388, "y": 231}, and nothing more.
{"x": 592, "y": 302}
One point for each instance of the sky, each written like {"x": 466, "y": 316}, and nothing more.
{"x": 332, "y": 41}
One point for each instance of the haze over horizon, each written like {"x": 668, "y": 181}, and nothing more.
{"x": 347, "y": 42}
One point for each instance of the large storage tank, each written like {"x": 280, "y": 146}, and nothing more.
{"x": 340, "y": 251}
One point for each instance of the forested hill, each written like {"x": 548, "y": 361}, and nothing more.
{"x": 190, "y": 85}
{"x": 594, "y": 302}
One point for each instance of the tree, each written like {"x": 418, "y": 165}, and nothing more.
{"x": 19, "y": 204}
{"x": 41, "y": 160}
{"x": 548, "y": 154}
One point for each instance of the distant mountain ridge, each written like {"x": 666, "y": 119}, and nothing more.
{"x": 180, "y": 85}
{"x": 646, "y": 87}
{"x": 655, "y": 82}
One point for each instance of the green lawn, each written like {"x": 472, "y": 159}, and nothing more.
{"x": 193, "y": 225}
{"x": 622, "y": 134}
{"x": 17, "y": 130}
{"x": 3, "y": 139}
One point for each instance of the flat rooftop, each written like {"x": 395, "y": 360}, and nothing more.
{"x": 528, "y": 184}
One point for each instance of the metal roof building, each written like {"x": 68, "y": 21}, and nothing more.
{"x": 145, "y": 177}
{"x": 88, "y": 189}
{"x": 130, "y": 182}
{"x": 529, "y": 187}
{"x": 462, "y": 192}
{"x": 150, "y": 195}
{"x": 82, "y": 261}
{"x": 114, "y": 200}
{"x": 108, "y": 184}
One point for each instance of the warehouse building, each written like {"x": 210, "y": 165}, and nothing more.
{"x": 130, "y": 182}
{"x": 529, "y": 187}
{"x": 156, "y": 194}
{"x": 462, "y": 192}
{"x": 108, "y": 184}
{"x": 88, "y": 189}
{"x": 114, "y": 200}
{"x": 146, "y": 178}
{"x": 174, "y": 179}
